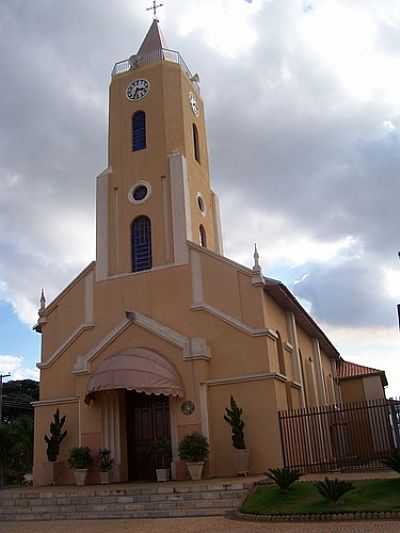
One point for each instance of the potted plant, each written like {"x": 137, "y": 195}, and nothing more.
{"x": 233, "y": 416}
{"x": 80, "y": 460}
{"x": 163, "y": 459}
{"x": 57, "y": 435}
{"x": 194, "y": 450}
{"x": 105, "y": 463}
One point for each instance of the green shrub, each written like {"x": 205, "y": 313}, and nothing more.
{"x": 234, "y": 418}
{"x": 80, "y": 458}
{"x": 283, "y": 477}
{"x": 57, "y": 435}
{"x": 393, "y": 461}
{"x": 333, "y": 489}
{"x": 194, "y": 448}
{"x": 104, "y": 460}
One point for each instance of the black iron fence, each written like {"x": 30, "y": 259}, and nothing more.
{"x": 351, "y": 436}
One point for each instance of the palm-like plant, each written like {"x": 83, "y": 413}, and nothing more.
{"x": 333, "y": 489}
{"x": 283, "y": 477}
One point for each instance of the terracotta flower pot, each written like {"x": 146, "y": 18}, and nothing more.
{"x": 241, "y": 462}
{"x": 195, "y": 470}
{"x": 80, "y": 477}
{"x": 162, "y": 474}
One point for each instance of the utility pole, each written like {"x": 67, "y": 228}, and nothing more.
{"x": 398, "y": 306}
{"x": 1, "y": 395}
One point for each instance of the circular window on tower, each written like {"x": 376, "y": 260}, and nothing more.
{"x": 201, "y": 204}
{"x": 140, "y": 192}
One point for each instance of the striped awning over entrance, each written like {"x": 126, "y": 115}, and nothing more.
{"x": 136, "y": 369}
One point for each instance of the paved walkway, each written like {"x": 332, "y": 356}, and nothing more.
{"x": 195, "y": 525}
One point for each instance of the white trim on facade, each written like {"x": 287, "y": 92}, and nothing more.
{"x": 56, "y": 401}
{"x": 81, "y": 363}
{"x": 294, "y": 341}
{"x": 58, "y": 353}
{"x": 197, "y": 277}
{"x": 102, "y": 183}
{"x": 244, "y": 328}
{"x": 181, "y": 213}
{"x": 205, "y": 427}
{"x": 247, "y": 378}
{"x": 132, "y": 190}
{"x": 192, "y": 348}
{"x": 217, "y": 223}
{"x": 320, "y": 373}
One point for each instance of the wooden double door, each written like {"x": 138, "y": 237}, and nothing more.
{"x": 148, "y": 421}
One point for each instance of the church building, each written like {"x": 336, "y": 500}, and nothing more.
{"x": 152, "y": 339}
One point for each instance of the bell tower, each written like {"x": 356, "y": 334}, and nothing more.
{"x": 155, "y": 194}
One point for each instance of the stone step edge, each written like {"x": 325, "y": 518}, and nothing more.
{"x": 118, "y": 515}
{"x": 99, "y": 491}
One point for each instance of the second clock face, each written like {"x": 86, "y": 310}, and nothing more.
{"x": 138, "y": 89}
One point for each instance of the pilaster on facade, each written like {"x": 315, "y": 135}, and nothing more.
{"x": 297, "y": 365}
{"x": 102, "y": 224}
{"x": 319, "y": 373}
{"x": 181, "y": 212}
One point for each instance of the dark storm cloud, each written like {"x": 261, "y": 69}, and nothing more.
{"x": 283, "y": 132}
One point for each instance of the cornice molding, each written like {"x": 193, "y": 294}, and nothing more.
{"x": 64, "y": 347}
{"x": 246, "y": 378}
{"x": 234, "y": 322}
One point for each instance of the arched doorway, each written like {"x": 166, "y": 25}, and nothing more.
{"x": 135, "y": 389}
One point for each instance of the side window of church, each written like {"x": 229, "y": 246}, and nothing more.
{"x": 196, "y": 144}
{"x": 203, "y": 236}
{"x": 139, "y": 131}
{"x": 141, "y": 244}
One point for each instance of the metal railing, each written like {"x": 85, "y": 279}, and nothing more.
{"x": 347, "y": 437}
{"x": 160, "y": 55}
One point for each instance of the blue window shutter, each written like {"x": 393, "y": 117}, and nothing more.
{"x": 139, "y": 131}
{"x": 141, "y": 244}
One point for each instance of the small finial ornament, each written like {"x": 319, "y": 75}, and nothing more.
{"x": 256, "y": 267}
{"x": 154, "y": 8}
{"x": 42, "y": 301}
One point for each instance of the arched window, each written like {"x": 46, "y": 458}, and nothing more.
{"x": 141, "y": 244}
{"x": 139, "y": 131}
{"x": 203, "y": 236}
{"x": 196, "y": 144}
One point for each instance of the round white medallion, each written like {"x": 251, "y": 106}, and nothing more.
{"x": 140, "y": 192}
{"x": 137, "y": 90}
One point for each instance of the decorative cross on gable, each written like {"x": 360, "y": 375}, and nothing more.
{"x": 154, "y": 8}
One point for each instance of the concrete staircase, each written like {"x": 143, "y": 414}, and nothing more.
{"x": 129, "y": 501}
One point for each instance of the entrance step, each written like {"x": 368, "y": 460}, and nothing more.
{"x": 152, "y": 501}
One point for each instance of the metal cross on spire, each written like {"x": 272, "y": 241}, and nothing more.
{"x": 154, "y": 8}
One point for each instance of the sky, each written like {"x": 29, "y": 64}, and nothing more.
{"x": 303, "y": 117}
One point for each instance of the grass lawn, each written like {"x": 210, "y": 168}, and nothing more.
{"x": 303, "y": 497}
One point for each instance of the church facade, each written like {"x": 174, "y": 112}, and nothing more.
{"x": 153, "y": 338}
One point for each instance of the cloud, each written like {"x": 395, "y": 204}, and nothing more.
{"x": 13, "y": 364}
{"x": 304, "y": 138}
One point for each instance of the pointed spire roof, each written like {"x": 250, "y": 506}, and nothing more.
{"x": 153, "y": 41}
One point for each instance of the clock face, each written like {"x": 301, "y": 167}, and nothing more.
{"x": 138, "y": 89}
{"x": 194, "y": 104}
